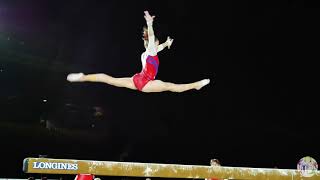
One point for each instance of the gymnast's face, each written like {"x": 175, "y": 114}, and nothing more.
{"x": 156, "y": 43}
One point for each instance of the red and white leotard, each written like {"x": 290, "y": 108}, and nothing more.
{"x": 150, "y": 65}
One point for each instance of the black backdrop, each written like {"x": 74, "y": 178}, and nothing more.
{"x": 255, "y": 113}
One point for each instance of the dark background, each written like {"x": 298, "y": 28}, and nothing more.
{"x": 256, "y": 112}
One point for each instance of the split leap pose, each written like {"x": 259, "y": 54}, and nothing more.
{"x": 145, "y": 80}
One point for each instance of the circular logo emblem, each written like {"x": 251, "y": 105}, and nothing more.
{"x": 307, "y": 166}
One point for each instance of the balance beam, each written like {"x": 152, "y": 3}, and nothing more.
{"x": 133, "y": 169}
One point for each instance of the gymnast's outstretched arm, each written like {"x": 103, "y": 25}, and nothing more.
{"x": 165, "y": 44}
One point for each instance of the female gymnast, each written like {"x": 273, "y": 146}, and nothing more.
{"x": 145, "y": 80}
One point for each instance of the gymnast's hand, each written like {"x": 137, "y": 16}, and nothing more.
{"x": 169, "y": 42}
{"x": 148, "y": 17}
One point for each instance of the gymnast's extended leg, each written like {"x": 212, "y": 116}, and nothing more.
{"x": 160, "y": 86}
{"x": 126, "y": 82}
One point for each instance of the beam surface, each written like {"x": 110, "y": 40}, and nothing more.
{"x": 134, "y": 169}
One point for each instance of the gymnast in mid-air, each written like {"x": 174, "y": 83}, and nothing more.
{"x": 145, "y": 80}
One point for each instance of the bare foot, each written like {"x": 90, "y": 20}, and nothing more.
{"x": 202, "y": 83}
{"x": 75, "y": 77}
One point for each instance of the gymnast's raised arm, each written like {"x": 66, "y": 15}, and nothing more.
{"x": 165, "y": 44}
{"x": 151, "y": 48}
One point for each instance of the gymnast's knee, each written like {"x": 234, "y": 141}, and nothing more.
{"x": 170, "y": 87}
